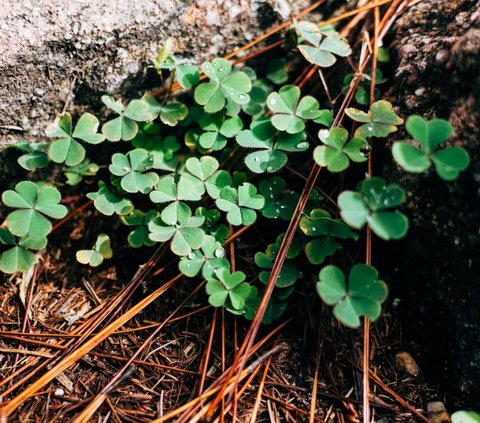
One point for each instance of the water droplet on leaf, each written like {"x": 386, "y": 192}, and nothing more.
{"x": 218, "y": 252}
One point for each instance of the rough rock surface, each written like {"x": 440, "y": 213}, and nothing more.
{"x": 58, "y": 54}
{"x": 438, "y": 74}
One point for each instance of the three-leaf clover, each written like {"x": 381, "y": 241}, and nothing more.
{"x": 319, "y": 224}
{"x": 17, "y": 258}
{"x": 240, "y": 203}
{"x": 125, "y": 127}
{"x": 223, "y": 85}
{"x": 133, "y": 169}
{"x": 35, "y": 202}
{"x": 289, "y": 273}
{"x": 185, "y": 233}
{"x": 209, "y": 258}
{"x": 108, "y": 200}
{"x": 228, "y": 290}
{"x": 171, "y": 193}
{"x": 170, "y": 114}
{"x": 100, "y": 251}
{"x": 139, "y": 220}
{"x": 323, "y": 46}
{"x": 336, "y": 153}
{"x": 278, "y": 203}
{"x": 270, "y": 155}
{"x": 203, "y": 174}
{"x": 66, "y": 149}
{"x": 289, "y": 112}
{"x": 217, "y": 130}
{"x": 363, "y": 296}
{"x": 380, "y": 121}
{"x": 34, "y": 156}
{"x": 449, "y": 162}
{"x": 372, "y": 204}
{"x": 75, "y": 174}
{"x": 162, "y": 150}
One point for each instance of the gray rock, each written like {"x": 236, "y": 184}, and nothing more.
{"x": 64, "y": 54}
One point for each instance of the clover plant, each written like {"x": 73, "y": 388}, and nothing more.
{"x": 429, "y": 135}
{"x": 197, "y": 165}
{"x": 228, "y": 290}
{"x": 326, "y": 233}
{"x": 271, "y": 147}
{"x": 336, "y": 154}
{"x": 372, "y": 203}
{"x": 363, "y": 296}
{"x": 289, "y": 111}
{"x": 379, "y": 122}
{"x": 100, "y": 251}
{"x": 320, "y": 48}
{"x": 465, "y": 417}
{"x": 223, "y": 85}
{"x": 67, "y": 149}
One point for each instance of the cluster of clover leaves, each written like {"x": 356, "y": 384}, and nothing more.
{"x": 168, "y": 183}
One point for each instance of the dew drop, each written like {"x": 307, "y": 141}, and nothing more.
{"x": 314, "y": 228}
{"x": 191, "y": 255}
{"x": 277, "y": 210}
{"x": 241, "y": 96}
{"x": 221, "y": 69}
{"x": 218, "y": 252}
{"x": 302, "y": 145}
{"x": 324, "y": 133}
{"x": 272, "y": 102}
{"x": 365, "y": 150}
{"x": 370, "y": 128}
{"x": 282, "y": 206}
{"x": 269, "y": 168}
{"x": 187, "y": 265}
{"x": 256, "y": 159}
{"x": 126, "y": 169}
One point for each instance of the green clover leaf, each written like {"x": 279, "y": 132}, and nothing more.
{"x": 170, "y": 114}
{"x": 323, "y": 46}
{"x": 277, "y": 71}
{"x": 240, "y": 203}
{"x": 209, "y": 258}
{"x": 326, "y": 231}
{"x": 162, "y": 150}
{"x": 17, "y": 258}
{"x": 278, "y": 203}
{"x": 363, "y": 296}
{"x": 35, "y": 156}
{"x": 228, "y": 290}
{"x": 35, "y": 202}
{"x": 289, "y": 272}
{"x": 336, "y": 153}
{"x": 203, "y": 173}
{"x": 172, "y": 194}
{"x": 125, "y": 127}
{"x": 465, "y": 417}
{"x": 132, "y": 168}
{"x": 109, "y": 200}
{"x": 429, "y": 135}
{"x": 187, "y": 76}
{"x": 217, "y": 130}
{"x": 67, "y": 149}
{"x": 371, "y": 204}
{"x": 212, "y": 226}
{"x": 75, "y": 174}
{"x": 139, "y": 220}
{"x": 223, "y": 85}
{"x": 289, "y": 112}
{"x": 185, "y": 233}
{"x": 380, "y": 121}
{"x": 270, "y": 146}
{"x": 98, "y": 253}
